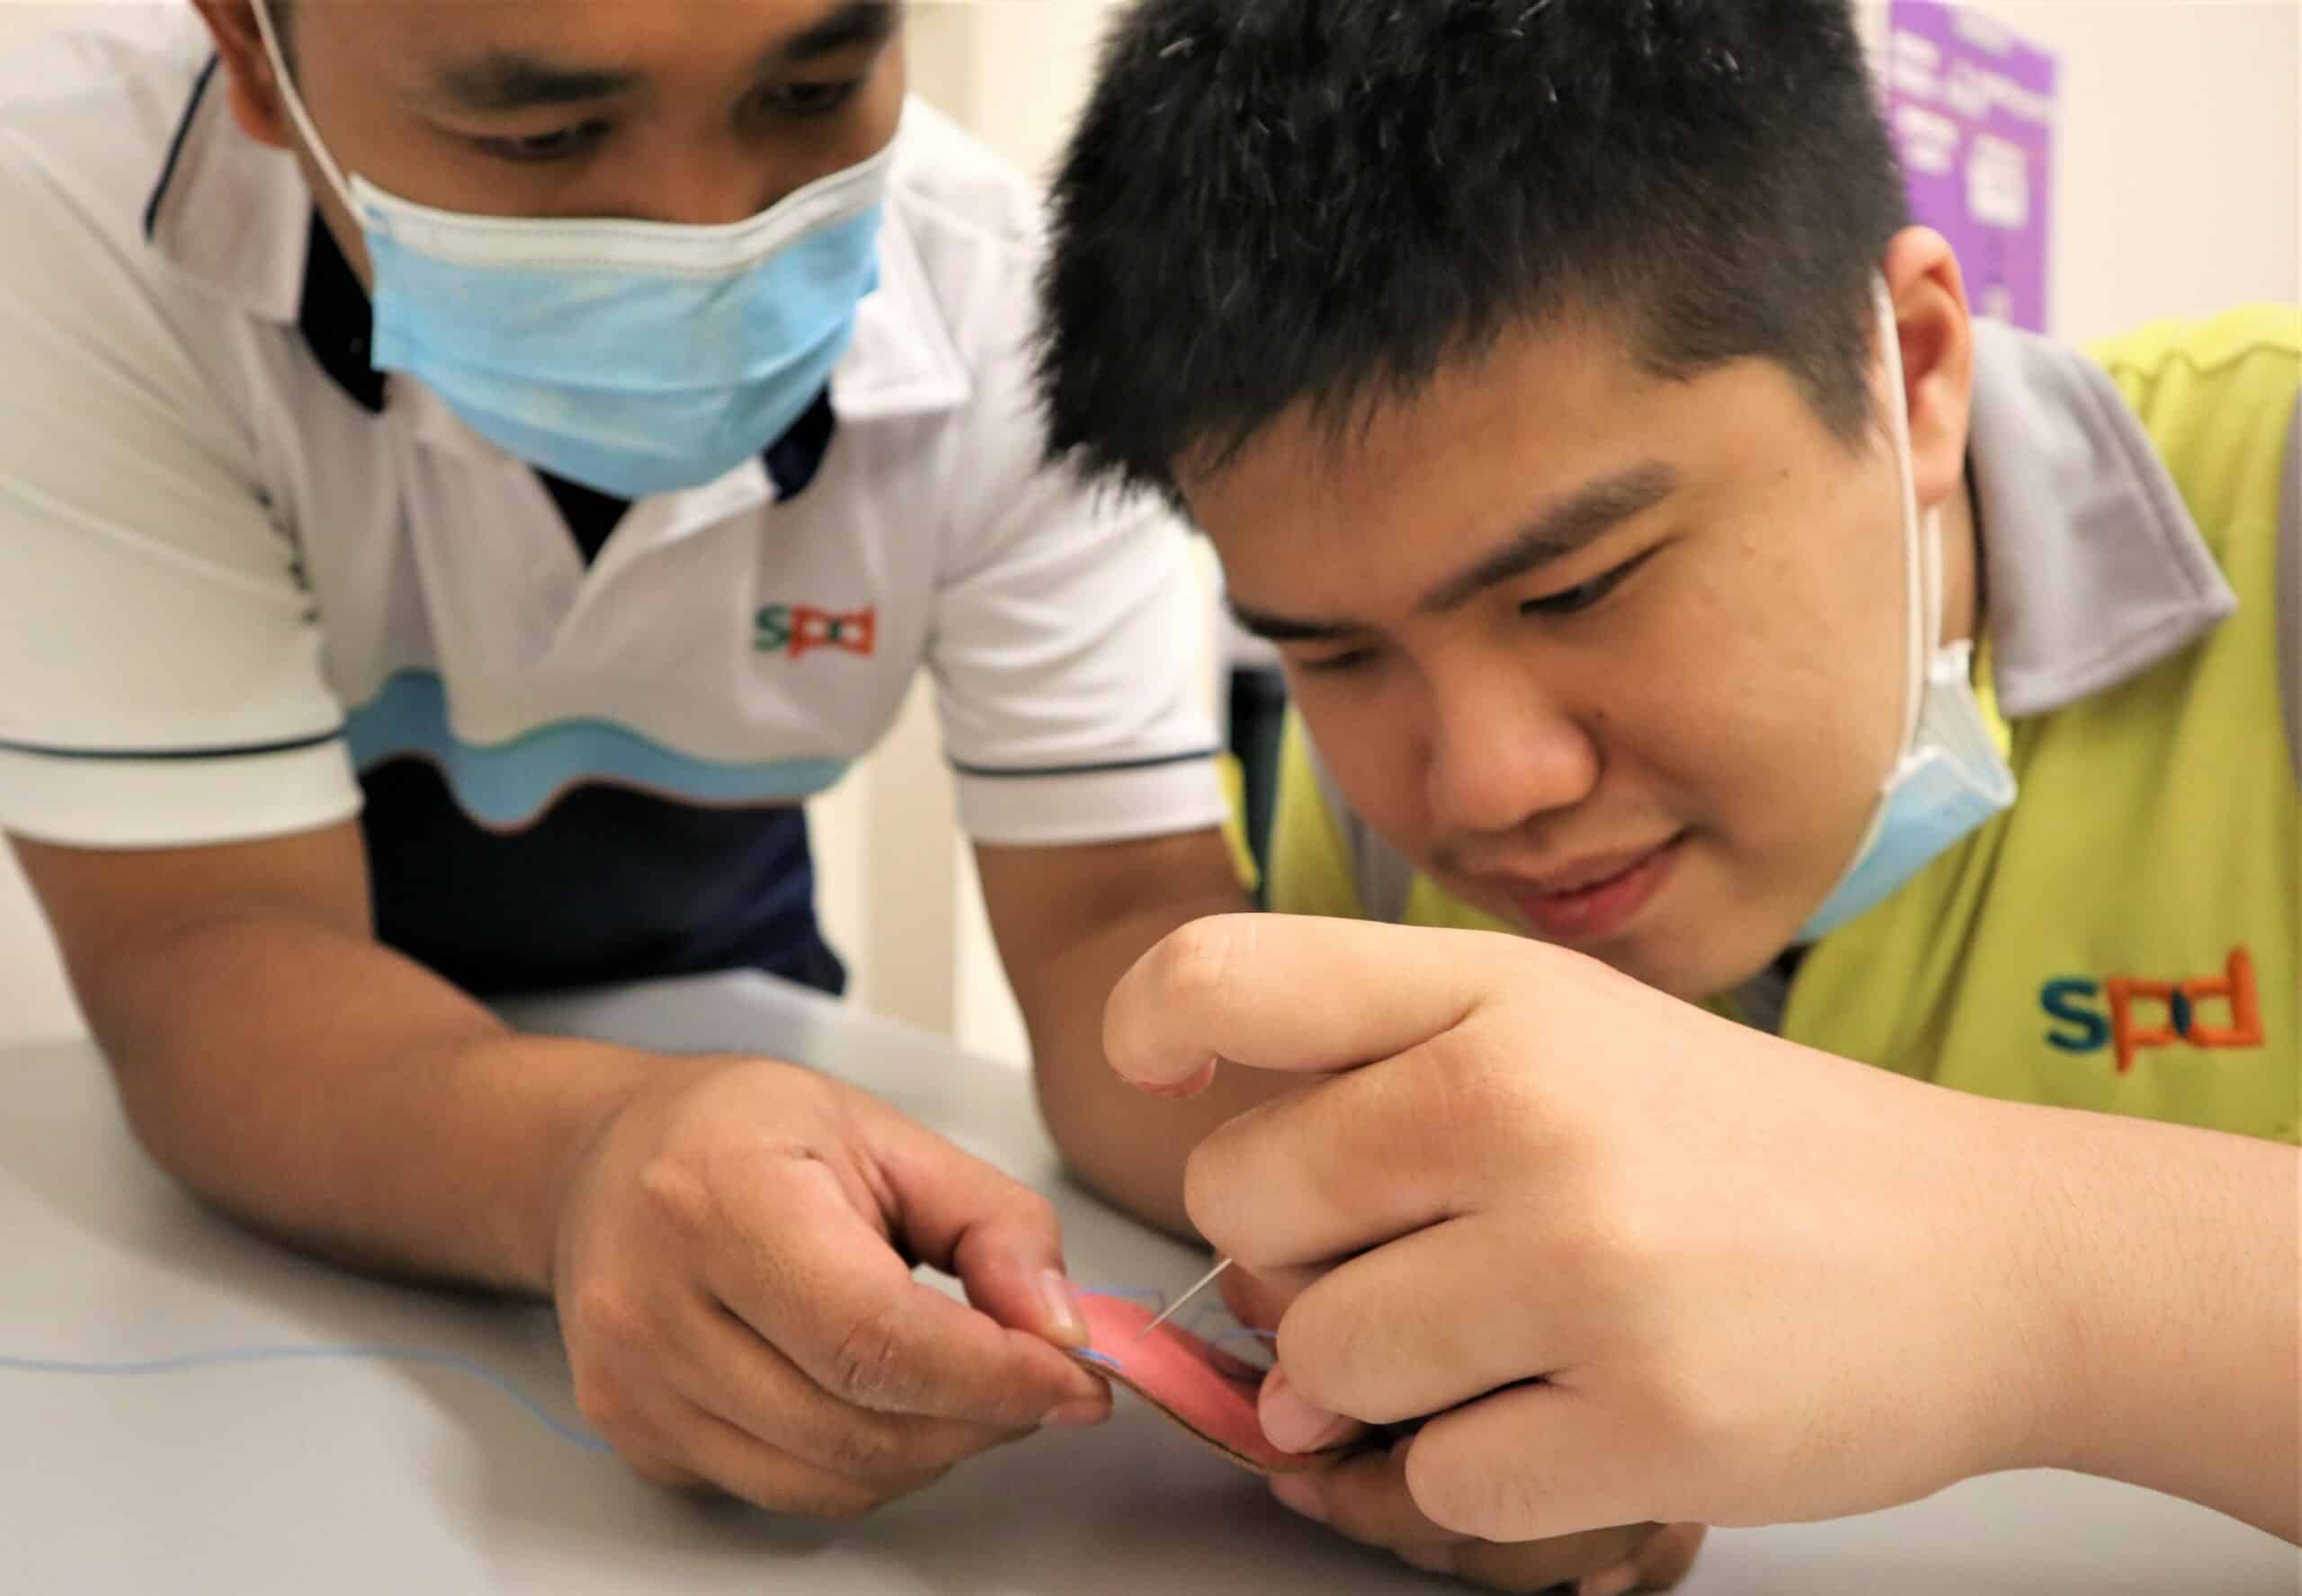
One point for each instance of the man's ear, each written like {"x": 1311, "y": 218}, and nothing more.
{"x": 1938, "y": 344}
{"x": 255, "y": 88}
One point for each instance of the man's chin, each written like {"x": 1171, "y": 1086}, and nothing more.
{"x": 1678, "y": 965}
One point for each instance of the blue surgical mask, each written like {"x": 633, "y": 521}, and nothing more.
{"x": 635, "y": 358}
{"x": 1950, "y": 777}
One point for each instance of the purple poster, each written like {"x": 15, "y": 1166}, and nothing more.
{"x": 1972, "y": 107}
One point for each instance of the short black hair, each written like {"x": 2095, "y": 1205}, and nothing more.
{"x": 1273, "y": 201}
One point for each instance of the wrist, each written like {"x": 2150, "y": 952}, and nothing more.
{"x": 2007, "y": 1286}
{"x": 2166, "y": 1270}
{"x": 576, "y": 1090}
{"x": 2039, "y": 1188}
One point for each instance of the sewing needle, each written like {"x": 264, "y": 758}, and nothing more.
{"x": 1175, "y": 1306}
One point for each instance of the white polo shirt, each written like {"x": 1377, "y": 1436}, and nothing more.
{"x": 228, "y": 588}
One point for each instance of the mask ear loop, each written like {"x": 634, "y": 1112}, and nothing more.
{"x": 1922, "y": 544}
{"x": 293, "y": 99}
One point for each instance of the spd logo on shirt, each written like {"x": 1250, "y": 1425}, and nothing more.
{"x": 800, "y": 630}
{"x": 2129, "y": 1014}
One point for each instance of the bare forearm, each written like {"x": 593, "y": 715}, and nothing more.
{"x": 1129, "y": 1147}
{"x": 331, "y": 1092}
{"x": 2181, "y": 1252}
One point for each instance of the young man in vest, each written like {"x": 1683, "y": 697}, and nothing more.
{"x": 1675, "y": 580}
{"x": 466, "y": 472}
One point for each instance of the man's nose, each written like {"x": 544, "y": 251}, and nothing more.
{"x": 1504, "y": 755}
{"x": 698, "y": 188}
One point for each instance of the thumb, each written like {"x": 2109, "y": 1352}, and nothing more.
{"x": 999, "y": 1237}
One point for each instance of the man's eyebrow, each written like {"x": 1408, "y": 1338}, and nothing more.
{"x": 511, "y": 80}
{"x": 1285, "y": 628}
{"x": 854, "y": 25}
{"x": 1584, "y": 516}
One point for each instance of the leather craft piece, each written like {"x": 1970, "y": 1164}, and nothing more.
{"x": 1186, "y": 1380}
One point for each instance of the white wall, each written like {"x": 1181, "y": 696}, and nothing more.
{"x": 2179, "y": 189}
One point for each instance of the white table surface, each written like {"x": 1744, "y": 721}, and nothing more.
{"x": 419, "y": 1473}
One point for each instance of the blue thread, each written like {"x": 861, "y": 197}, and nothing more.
{"x": 1268, "y": 1337}
{"x": 1092, "y": 1356}
{"x": 225, "y": 1357}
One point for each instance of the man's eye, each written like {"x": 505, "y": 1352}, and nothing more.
{"x": 1582, "y": 594}
{"x": 560, "y": 144}
{"x": 1336, "y": 665}
{"x": 810, "y": 99}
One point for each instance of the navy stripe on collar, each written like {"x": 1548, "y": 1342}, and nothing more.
{"x": 175, "y": 146}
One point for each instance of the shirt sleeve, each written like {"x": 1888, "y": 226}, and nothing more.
{"x": 1069, "y": 650}
{"x": 160, "y": 673}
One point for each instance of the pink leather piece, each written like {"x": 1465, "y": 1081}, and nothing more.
{"x": 1176, "y": 1373}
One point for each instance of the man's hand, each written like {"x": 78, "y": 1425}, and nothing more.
{"x": 733, "y": 1283}
{"x": 1644, "y": 1264}
{"x": 1365, "y": 1496}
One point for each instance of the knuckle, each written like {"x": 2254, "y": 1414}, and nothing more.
{"x": 1196, "y": 966}
{"x": 1601, "y": 1246}
{"x": 675, "y": 1190}
{"x": 610, "y": 1315}
{"x": 1033, "y": 1211}
{"x": 866, "y": 1450}
{"x": 867, "y": 1365}
{"x": 603, "y": 1403}
{"x": 1203, "y": 1187}
{"x": 1331, "y": 1356}
{"x": 1475, "y": 1082}
{"x": 1705, "y": 1422}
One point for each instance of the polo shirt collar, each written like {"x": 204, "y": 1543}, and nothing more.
{"x": 2094, "y": 570}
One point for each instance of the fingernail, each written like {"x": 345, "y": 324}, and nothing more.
{"x": 1188, "y": 1088}
{"x": 1300, "y": 1494}
{"x": 1063, "y": 1322}
{"x": 1293, "y": 1423}
{"x": 1616, "y": 1582}
{"x": 1077, "y": 1415}
{"x": 1429, "y": 1559}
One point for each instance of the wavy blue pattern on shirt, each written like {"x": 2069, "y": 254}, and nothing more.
{"x": 509, "y": 783}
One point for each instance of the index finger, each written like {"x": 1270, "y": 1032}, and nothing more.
{"x": 1281, "y": 991}
{"x": 827, "y": 1289}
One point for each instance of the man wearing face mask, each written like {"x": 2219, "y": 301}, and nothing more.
{"x": 1691, "y": 614}
{"x": 466, "y": 472}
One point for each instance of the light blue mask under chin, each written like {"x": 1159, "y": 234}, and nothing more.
{"x": 1953, "y": 781}
{"x": 634, "y": 358}
{"x": 1950, "y": 778}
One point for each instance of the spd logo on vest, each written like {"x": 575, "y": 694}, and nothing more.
{"x": 799, "y": 629}
{"x": 2181, "y": 1010}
